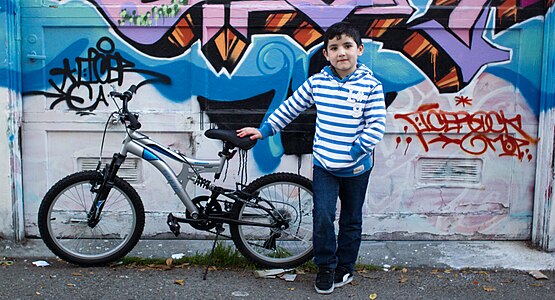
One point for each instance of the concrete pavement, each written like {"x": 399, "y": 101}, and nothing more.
{"x": 431, "y": 270}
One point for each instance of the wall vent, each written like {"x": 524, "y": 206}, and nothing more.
{"x": 129, "y": 170}
{"x": 449, "y": 171}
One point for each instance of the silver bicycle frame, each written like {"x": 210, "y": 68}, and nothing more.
{"x": 142, "y": 146}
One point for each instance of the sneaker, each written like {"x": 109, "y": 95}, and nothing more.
{"x": 342, "y": 277}
{"x": 324, "y": 281}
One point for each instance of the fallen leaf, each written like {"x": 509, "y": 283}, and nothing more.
{"x": 76, "y": 274}
{"x": 373, "y": 296}
{"x": 70, "y": 284}
{"x": 291, "y": 289}
{"x": 448, "y": 271}
{"x": 404, "y": 270}
{"x": 403, "y": 279}
{"x": 179, "y": 281}
{"x": 169, "y": 262}
{"x": 536, "y": 284}
{"x": 489, "y": 288}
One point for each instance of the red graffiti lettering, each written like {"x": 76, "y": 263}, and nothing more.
{"x": 475, "y": 133}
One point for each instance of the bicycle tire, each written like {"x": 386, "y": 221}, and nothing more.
{"x": 62, "y": 221}
{"x": 272, "y": 247}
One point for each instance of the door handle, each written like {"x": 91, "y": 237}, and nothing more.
{"x": 34, "y": 56}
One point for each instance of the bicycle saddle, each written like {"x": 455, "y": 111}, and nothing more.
{"x": 230, "y": 136}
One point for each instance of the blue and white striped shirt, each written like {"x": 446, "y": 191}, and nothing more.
{"x": 350, "y": 118}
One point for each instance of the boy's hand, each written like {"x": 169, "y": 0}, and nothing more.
{"x": 249, "y": 131}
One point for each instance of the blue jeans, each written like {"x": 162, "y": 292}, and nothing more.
{"x": 343, "y": 251}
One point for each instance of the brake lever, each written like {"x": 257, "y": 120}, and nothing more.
{"x": 113, "y": 93}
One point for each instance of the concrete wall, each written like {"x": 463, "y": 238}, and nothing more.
{"x": 9, "y": 93}
{"x": 6, "y": 212}
{"x": 462, "y": 81}
{"x": 6, "y": 226}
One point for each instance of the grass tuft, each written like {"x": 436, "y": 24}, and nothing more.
{"x": 225, "y": 256}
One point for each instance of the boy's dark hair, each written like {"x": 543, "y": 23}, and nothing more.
{"x": 338, "y": 29}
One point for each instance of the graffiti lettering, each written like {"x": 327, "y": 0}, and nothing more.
{"x": 481, "y": 131}
{"x": 444, "y": 39}
{"x": 103, "y": 65}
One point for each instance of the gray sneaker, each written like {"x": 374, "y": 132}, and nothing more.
{"x": 342, "y": 277}
{"x": 324, "y": 281}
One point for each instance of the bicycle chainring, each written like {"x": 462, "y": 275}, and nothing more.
{"x": 201, "y": 202}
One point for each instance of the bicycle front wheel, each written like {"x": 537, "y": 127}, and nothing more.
{"x": 275, "y": 245}
{"x": 64, "y": 226}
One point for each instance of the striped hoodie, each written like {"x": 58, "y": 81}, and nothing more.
{"x": 350, "y": 118}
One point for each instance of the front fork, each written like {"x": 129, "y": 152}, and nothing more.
{"x": 102, "y": 186}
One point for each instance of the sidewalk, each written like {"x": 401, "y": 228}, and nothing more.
{"x": 504, "y": 255}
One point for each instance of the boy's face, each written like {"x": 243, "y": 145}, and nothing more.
{"x": 342, "y": 53}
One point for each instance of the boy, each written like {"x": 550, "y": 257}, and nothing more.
{"x": 350, "y": 121}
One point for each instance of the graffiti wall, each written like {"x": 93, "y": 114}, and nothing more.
{"x": 462, "y": 83}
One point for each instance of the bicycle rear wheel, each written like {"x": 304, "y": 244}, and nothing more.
{"x": 63, "y": 222}
{"x": 288, "y": 196}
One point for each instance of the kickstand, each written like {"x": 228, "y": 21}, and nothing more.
{"x": 219, "y": 229}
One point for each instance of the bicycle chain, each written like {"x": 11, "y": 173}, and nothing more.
{"x": 219, "y": 234}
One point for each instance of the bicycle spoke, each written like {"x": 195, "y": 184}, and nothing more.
{"x": 284, "y": 201}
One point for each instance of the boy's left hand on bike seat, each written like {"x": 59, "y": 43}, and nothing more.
{"x": 249, "y": 131}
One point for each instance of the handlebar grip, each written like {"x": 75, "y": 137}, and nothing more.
{"x": 129, "y": 93}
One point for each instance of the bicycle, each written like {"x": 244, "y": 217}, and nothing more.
{"x": 94, "y": 217}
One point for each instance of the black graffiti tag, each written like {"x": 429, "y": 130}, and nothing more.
{"x": 81, "y": 87}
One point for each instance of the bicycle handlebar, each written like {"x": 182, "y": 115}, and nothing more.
{"x": 126, "y": 97}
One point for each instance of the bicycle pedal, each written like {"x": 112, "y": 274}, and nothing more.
{"x": 173, "y": 224}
